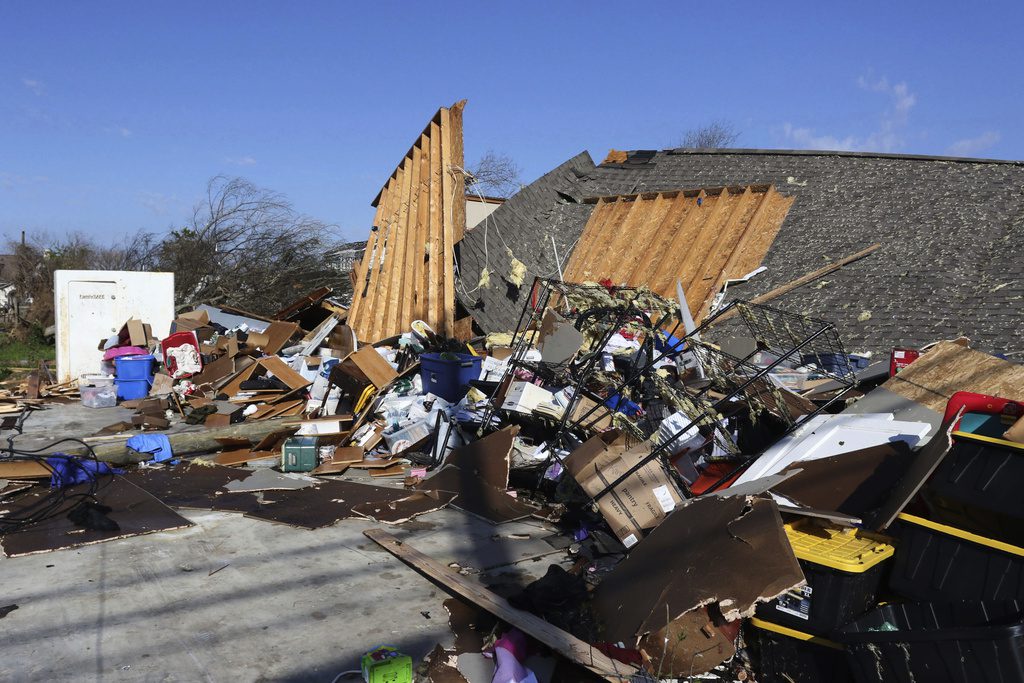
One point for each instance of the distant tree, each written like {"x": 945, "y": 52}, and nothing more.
{"x": 714, "y": 135}
{"x": 246, "y": 247}
{"x": 494, "y": 175}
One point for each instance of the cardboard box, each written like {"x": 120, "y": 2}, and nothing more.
{"x": 191, "y": 321}
{"x": 272, "y": 365}
{"x": 361, "y": 369}
{"x": 636, "y": 505}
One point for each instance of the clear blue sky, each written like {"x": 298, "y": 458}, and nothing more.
{"x": 113, "y": 115}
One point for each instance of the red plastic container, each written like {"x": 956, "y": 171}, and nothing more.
{"x": 901, "y": 358}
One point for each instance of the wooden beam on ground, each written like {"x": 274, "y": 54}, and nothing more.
{"x": 183, "y": 443}
{"x": 563, "y": 643}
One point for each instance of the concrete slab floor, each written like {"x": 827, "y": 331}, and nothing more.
{"x": 236, "y": 599}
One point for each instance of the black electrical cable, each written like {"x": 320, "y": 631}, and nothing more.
{"x": 55, "y": 502}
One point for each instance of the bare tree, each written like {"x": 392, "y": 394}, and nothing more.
{"x": 246, "y": 247}
{"x": 714, "y": 135}
{"x": 494, "y": 175}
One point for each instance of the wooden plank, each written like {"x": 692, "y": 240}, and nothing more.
{"x": 670, "y": 270}
{"x": 603, "y": 215}
{"x": 948, "y": 368}
{"x": 749, "y": 229}
{"x": 458, "y": 162}
{"x": 603, "y": 263}
{"x": 435, "y": 294}
{"x": 365, "y": 278}
{"x": 422, "y": 231}
{"x": 447, "y": 317}
{"x": 412, "y": 250}
{"x": 393, "y": 308}
{"x": 563, "y": 643}
{"x": 379, "y": 301}
{"x": 658, "y": 250}
{"x": 804, "y": 279}
{"x": 762, "y": 236}
{"x": 639, "y": 251}
{"x": 720, "y": 247}
{"x": 704, "y": 242}
{"x": 364, "y": 322}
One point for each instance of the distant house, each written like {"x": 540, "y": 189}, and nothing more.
{"x": 951, "y": 261}
{"x": 348, "y": 255}
{"x": 479, "y": 207}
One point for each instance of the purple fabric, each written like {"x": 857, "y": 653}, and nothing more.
{"x": 509, "y": 652}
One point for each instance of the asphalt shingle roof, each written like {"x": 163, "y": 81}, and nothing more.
{"x": 952, "y": 260}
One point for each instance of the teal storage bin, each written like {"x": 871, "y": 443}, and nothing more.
{"x": 299, "y": 454}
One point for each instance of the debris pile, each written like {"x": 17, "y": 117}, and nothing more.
{"x": 736, "y": 495}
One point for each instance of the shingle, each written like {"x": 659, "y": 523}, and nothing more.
{"x": 951, "y": 231}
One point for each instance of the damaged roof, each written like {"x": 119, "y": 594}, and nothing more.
{"x": 949, "y": 264}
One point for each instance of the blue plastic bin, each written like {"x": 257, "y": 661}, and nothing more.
{"x": 449, "y": 379}
{"x": 128, "y": 389}
{"x": 135, "y": 367}
{"x": 835, "y": 363}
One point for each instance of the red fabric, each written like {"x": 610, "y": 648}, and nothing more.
{"x": 712, "y": 473}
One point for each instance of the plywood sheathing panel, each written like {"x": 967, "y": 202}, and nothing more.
{"x": 408, "y": 269}
{"x": 699, "y": 237}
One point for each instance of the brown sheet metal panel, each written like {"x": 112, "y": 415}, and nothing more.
{"x": 699, "y": 237}
{"x": 408, "y": 271}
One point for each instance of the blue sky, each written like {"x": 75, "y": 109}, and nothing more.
{"x": 113, "y": 115}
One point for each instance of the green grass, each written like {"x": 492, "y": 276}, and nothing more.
{"x": 13, "y": 352}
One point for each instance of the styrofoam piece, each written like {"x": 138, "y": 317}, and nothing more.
{"x": 826, "y": 435}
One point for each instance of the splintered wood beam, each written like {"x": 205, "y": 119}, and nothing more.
{"x": 565, "y": 644}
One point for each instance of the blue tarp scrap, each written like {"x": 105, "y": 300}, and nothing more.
{"x": 69, "y": 470}
{"x": 157, "y": 444}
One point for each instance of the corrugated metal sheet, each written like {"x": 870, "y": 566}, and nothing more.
{"x": 407, "y": 272}
{"x": 699, "y": 237}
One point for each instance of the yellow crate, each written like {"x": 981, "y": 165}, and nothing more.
{"x": 853, "y": 551}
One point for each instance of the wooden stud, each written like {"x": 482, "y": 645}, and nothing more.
{"x": 422, "y": 231}
{"x": 447, "y": 317}
{"x": 436, "y": 255}
{"x": 658, "y": 250}
{"x": 410, "y": 248}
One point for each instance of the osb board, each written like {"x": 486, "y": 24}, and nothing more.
{"x": 135, "y": 512}
{"x": 407, "y": 272}
{"x": 700, "y": 237}
{"x": 948, "y": 368}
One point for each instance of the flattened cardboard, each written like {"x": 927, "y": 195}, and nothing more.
{"x": 730, "y": 551}
{"x": 134, "y": 510}
{"x": 636, "y": 505}
{"x": 478, "y": 473}
{"x": 925, "y": 462}
{"x": 278, "y": 334}
{"x": 558, "y": 341}
{"x": 404, "y": 509}
{"x": 396, "y": 470}
{"x": 322, "y": 505}
{"x": 362, "y": 368}
{"x": 269, "y": 365}
{"x": 853, "y": 483}
{"x": 241, "y": 456}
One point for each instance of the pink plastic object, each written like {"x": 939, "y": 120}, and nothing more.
{"x": 119, "y": 351}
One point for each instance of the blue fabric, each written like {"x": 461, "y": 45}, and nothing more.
{"x": 157, "y": 444}
{"x": 69, "y": 470}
